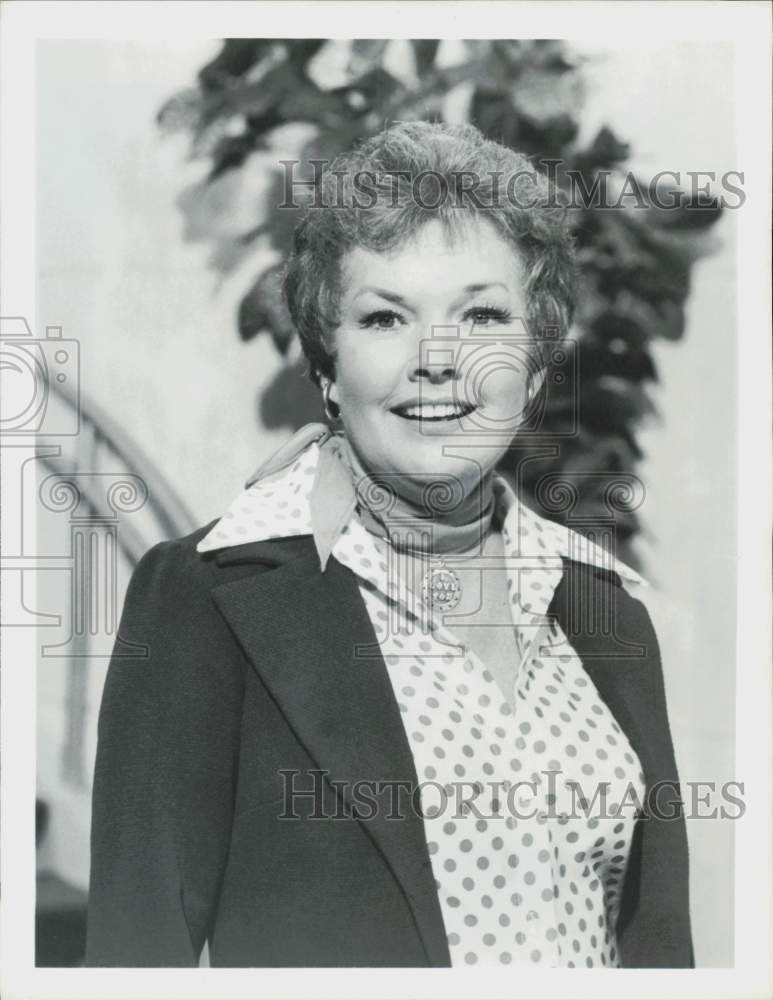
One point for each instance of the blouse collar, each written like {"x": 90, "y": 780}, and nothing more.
{"x": 304, "y": 488}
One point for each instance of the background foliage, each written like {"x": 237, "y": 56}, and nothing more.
{"x": 261, "y": 100}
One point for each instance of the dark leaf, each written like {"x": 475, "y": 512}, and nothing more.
{"x": 290, "y": 400}
{"x": 617, "y": 358}
{"x": 183, "y": 111}
{"x": 230, "y": 152}
{"x": 262, "y": 309}
{"x": 302, "y": 50}
{"x": 424, "y": 52}
{"x": 237, "y": 56}
{"x": 609, "y": 405}
{"x": 375, "y": 87}
{"x": 367, "y": 51}
{"x": 606, "y": 151}
{"x": 613, "y": 324}
{"x": 496, "y": 117}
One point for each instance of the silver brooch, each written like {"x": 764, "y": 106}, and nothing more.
{"x": 441, "y": 588}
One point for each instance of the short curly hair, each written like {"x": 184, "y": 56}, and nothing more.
{"x": 375, "y": 197}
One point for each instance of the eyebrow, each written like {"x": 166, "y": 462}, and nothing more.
{"x": 400, "y": 301}
{"x": 472, "y": 289}
{"x": 384, "y": 294}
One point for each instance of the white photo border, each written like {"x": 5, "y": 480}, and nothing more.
{"x": 747, "y": 26}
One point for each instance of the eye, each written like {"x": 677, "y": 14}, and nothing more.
{"x": 382, "y": 319}
{"x": 487, "y": 315}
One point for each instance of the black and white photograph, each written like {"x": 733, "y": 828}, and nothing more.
{"x": 386, "y": 493}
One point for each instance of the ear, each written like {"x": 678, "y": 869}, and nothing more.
{"x": 333, "y": 392}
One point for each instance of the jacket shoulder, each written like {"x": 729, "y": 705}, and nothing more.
{"x": 173, "y": 552}
{"x": 172, "y": 582}
{"x": 168, "y": 569}
{"x": 181, "y": 555}
{"x": 596, "y": 602}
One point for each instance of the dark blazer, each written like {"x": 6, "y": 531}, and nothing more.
{"x": 249, "y": 670}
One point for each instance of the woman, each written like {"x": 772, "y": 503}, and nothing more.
{"x": 369, "y": 730}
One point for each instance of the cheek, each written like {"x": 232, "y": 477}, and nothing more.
{"x": 497, "y": 379}
{"x": 365, "y": 371}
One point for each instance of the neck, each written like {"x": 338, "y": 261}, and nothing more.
{"x": 434, "y": 516}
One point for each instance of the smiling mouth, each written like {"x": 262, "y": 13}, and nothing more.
{"x": 434, "y": 411}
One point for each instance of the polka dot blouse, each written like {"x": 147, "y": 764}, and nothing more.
{"x": 524, "y": 807}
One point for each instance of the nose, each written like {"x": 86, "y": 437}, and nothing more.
{"x": 435, "y": 371}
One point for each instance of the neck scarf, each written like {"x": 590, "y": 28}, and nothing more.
{"x": 441, "y": 521}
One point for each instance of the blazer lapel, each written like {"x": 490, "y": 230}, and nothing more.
{"x": 300, "y": 628}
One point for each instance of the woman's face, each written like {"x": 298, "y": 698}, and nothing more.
{"x": 431, "y": 354}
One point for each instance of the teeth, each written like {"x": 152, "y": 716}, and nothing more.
{"x": 435, "y": 411}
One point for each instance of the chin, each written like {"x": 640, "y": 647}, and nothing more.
{"x": 429, "y": 464}
{"x": 425, "y": 454}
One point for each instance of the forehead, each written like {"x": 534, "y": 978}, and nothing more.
{"x": 471, "y": 251}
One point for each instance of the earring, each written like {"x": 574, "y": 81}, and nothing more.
{"x": 332, "y": 409}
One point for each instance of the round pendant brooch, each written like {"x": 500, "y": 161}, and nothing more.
{"x": 441, "y": 589}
